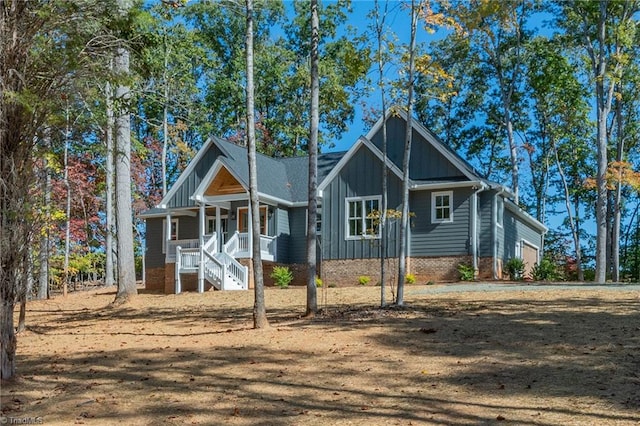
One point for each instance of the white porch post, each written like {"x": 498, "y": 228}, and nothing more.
{"x": 201, "y": 235}
{"x": 219, "y": 230}
{"x": 250, "y": 229}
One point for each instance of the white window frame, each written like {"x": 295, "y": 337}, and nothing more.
{"x": 434, "y": 208}
{"x": 347, "y": 218}
{"x": 164, "y": 233}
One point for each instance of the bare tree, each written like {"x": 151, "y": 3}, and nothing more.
{"x": 122, "y": 126}
{"x": 312, "y": 300}
{"x": 404, "y": 220}
{"x": 259, "y": 310}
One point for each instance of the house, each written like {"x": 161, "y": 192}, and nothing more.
{"x": 198, "y": 237}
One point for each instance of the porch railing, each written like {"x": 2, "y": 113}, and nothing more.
{"x": 239, "y": 245}
{"x": 170, "y": 255}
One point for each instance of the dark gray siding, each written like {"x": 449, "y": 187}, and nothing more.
{"x": 298, "y": 232}
{"x": 154, "y": 257}
{"x": 188, "y": 227}
{"x": 440, "y": 239}
{"x": 485, "y": 230}
{"x": 426, "y": 161}
{"x": 361, "y": 177}
{"x": 283, "y": 234}
{"x": 515, "y": 230}
{"x": 188, "y": 187}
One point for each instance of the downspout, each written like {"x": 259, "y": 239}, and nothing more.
{"x": 494, "y": 231}
{"x": 474, "y": 228}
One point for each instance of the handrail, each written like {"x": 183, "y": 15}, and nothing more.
{"x": 231, "y": 246}
{"x": 234, "y": 268}
{"x": 211, "y": 245}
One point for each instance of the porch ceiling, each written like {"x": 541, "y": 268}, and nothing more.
{"x": 224, "y": 184}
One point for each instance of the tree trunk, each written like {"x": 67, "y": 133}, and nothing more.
{"x": 404, "y": 227}
{"x": 312, "y": 301}
{"x": 124, "y": 224}
{"x": 259, "y": 310}
{"x": 383, "y": 214}
{"x": 67, "y": 234}
{"x": 109, "y": 278}
{"x": 43, "y": 255}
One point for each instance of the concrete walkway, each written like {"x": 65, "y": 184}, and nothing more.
{"x": 489, "y": 287}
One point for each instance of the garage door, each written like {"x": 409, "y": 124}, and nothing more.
{"x": 530, "y": 257}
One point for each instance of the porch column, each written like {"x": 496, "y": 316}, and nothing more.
{"x": 201, "y": 224}
{"x": 219, "y": 230}
{"x": 167, "y": 238}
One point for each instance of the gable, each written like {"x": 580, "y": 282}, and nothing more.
{"x": 180, "y": 193}
{"x": 427, "y": 162}
{"x": 224, "y": 183}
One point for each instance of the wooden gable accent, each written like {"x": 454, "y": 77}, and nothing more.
{"x": 223, "y": 184}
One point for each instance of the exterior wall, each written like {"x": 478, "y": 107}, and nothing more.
{"x": 283, "y": 233}
{"x": 298, "y": 239}
{"x": 361, "y": 177}
{"x": 299, "y": 273}
{"x": 154, "y": 258}
{"x": 345, "y": 272}
{"x": 154, "y": 280}
{"x": 442, "y": 268}
{"x": 515, "y": 230}
{"x": 441, "y": 239}
{"x": 426, "y": 161}
{"x": 485, "y": 235}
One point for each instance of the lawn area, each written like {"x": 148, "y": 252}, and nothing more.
{"x": 543, "y": 357}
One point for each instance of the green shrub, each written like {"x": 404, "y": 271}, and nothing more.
{"x": 466, "y": 271}
{"x": 410, "y": 279}
{"x": 515, "y": 268}
{"x": 364, "y": 280}
{"x": 430, "y": 283}
{"x": 282, "y": 276}
{"x": 318, "y": 281}
{"x": 546, "y": 270}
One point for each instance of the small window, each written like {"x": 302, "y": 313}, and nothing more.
{"x": 442, "y": 207}
{"x": 499, "y": 211}
{"x": 174, "y": 233}
{"x": 210, "y": 225}
{"x": 359, "y": 217}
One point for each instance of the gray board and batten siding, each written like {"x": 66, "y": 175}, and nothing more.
{"x": 445, "y": 238}
{"x": 360, "y": 177}
{"x": 426, "y": 162}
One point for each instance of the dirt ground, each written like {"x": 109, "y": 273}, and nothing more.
{"x": 543, "y": 357}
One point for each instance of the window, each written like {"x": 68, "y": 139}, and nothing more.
{"x": 359, "y": 221}
{"x": 210, "y": 225}
{"x": 243, "y": 220}
{"x": 499, "y": 211}
{"x": 442, "y": 207}
{"x": 174, "y": 233}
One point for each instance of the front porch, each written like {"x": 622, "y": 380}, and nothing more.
{"x": 219, "y": 267}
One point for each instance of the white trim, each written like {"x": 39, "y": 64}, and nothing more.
{"x": 362, "y": 141}
{"x": 364, "y": 235}
{"x": 474, "y": 184}
{"x": 433, "y": 206}
{"x": 217, "y": 166}
{"x": 526, "y": 217}
{"x": 500, "y": 212}
{"x": 164, "y": 233}
{"x": 524, "y": 242}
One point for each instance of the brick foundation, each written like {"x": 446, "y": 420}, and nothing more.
{"x": 346, "y": 272}
{"x": 154, "y": 279}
